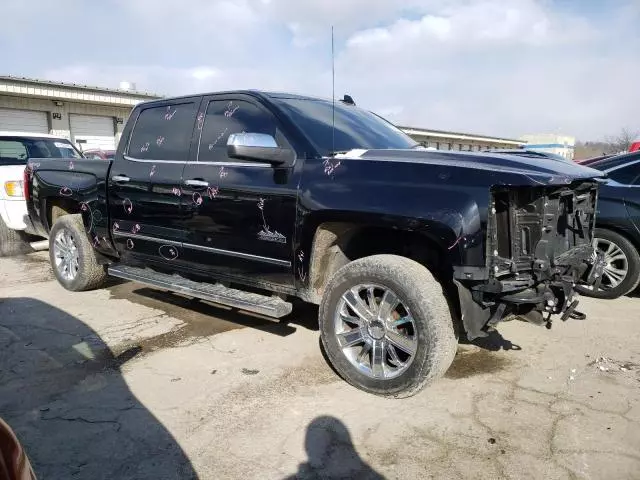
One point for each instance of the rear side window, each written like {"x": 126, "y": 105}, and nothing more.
{"x": 163, "y": 133}
{"x": 226, "y": 117}
{"x": 16, "y": 151}
{"x": 12, "y": 152}
{"x": 626, "y": 175}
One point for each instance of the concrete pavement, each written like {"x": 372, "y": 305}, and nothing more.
{"x": 132, "y": 382}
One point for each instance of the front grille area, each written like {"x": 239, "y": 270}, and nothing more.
{"x": 534, "y": 229}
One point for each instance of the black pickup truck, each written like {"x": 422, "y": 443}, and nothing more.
{"x": 251, "y": 199}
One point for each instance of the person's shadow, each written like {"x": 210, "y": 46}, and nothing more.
{"x": 331, "y": 453}
{"x": 63, "y": 394}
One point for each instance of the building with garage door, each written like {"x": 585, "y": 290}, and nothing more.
{"x": 466, "y": 142}
{"x": 91, "y": 117}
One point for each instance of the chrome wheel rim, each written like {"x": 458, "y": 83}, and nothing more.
{"x": 65, "y": 254}
{"x": 375, "y": 331}
{"x": 616, "y": 264}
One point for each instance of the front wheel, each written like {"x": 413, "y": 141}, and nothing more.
{"x": 621, "y": 272}
{"x": 386, "y": 327}
{"x": 72, "y": 257}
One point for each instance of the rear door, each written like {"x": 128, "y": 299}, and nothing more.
{"x": 144, "y": 188}
{"x": 239, "y": 215}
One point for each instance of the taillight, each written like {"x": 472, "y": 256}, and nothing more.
{"x": 25, "y": 182}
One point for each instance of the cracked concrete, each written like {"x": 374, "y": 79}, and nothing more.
{"x": 129, "y": 382}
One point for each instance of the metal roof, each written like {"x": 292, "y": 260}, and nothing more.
{"x": 459, "y": 135}
{"x": 35, "y": 81}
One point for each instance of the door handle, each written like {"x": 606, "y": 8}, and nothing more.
{"x": 120, "y": 178}
{"x": 196, "y": 183}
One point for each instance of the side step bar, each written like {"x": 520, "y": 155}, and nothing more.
{"x": 252, "y": 302}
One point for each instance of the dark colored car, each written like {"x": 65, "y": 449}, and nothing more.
{"x": 589, "y": 161}
{"x": 250, "y": 199}
{"x": 618, "y": 226}
{"x": 99, "y": 154}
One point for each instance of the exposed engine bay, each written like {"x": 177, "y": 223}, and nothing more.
{"x": 539, "y": 246}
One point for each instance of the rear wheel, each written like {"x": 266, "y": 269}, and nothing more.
{"x": 621, "y": 273}
{"x": 386, "y": 326}
{"x": 72, "y": 257}
{"x": 13, "y": 242}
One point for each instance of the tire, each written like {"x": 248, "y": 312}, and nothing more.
{"x": 12, "y": 242}
{"x": 431, "y": 331}
{"x": 632, "y": 261}
{"x": 89, "y": 274}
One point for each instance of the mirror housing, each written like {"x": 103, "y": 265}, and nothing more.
{"x": 258, "y": 147}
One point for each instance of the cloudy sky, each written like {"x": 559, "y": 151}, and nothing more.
{"x": 499, "y": 67}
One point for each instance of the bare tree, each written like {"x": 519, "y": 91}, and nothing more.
{"x": 622, "y": 141}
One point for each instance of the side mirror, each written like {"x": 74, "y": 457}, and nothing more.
{"x": 259, "y": 147}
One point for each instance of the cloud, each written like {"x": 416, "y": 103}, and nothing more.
{"x": 500, "y": 67}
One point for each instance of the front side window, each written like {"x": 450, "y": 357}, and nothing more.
{"x": 163, "y": 133}
{"x": 224, "y": 117}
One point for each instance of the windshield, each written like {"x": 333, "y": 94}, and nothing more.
{"x": 354, "y": 127}
{"x": 17, "y": 150}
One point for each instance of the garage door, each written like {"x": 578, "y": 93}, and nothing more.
{"x": 29, "y": 121}
{"x": 97, "y": 132}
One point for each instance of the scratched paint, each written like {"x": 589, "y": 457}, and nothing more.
{"x": 159, "y": 141}
{"x": 230, "y": 109}
{"x": 197, "y": 198}
{"x": 222, "y": 134}
{"x": 71, "y": 165}
{"x": 128, "y": 206}
{"x": 301, "y": 272}
{"x": 223, "y": 172}
{"x": 169, "y": 113}
{"x": 66, "y": 192}
{"x": 168, "y": 252}
{"x": 135, "y": 228}
{"x": 330, "y": 166}
{"x": 116, "y": 226}
{"x": 145, "y": 147}
{"x": 153, "y": 171}
{"x": 130, "y": 244}
{"x": 266, "y": 233}
{"x": 176, "y": 191}
{"x": 212, "y": 192}
{"x": 200, "y": 121}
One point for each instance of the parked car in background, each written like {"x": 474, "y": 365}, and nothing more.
{"x": 523, "y": 152}
{"x": 16, "y": 230}
{"x": 99, "y": 154}
{"x": 635, "y": 146}
{"x": 589, "y": 161}
{"x": 617, "y": 232}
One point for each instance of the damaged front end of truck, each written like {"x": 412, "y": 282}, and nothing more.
{"x": 539, "y": 245}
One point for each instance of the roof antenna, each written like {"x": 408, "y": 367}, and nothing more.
{"x": 333, "y": 96}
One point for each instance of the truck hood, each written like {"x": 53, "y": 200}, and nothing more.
{"x": 540, "y": 170}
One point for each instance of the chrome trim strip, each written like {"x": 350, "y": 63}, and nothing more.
{"x": 246, "y": 256}
{"x": 220, "y": 164}
{"x": 119, "y": 233}
{"x": 202, "y": 248}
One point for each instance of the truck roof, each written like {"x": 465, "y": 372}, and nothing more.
{"x": 254, "y": 92}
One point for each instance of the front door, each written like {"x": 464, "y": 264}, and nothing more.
{"x": 239, "y": 215}
{"x": 147, "y": 218}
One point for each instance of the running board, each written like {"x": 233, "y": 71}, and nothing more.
{"x": 252, "y": 302}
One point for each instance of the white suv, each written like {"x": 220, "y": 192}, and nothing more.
{"x": 16, "y": 148}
